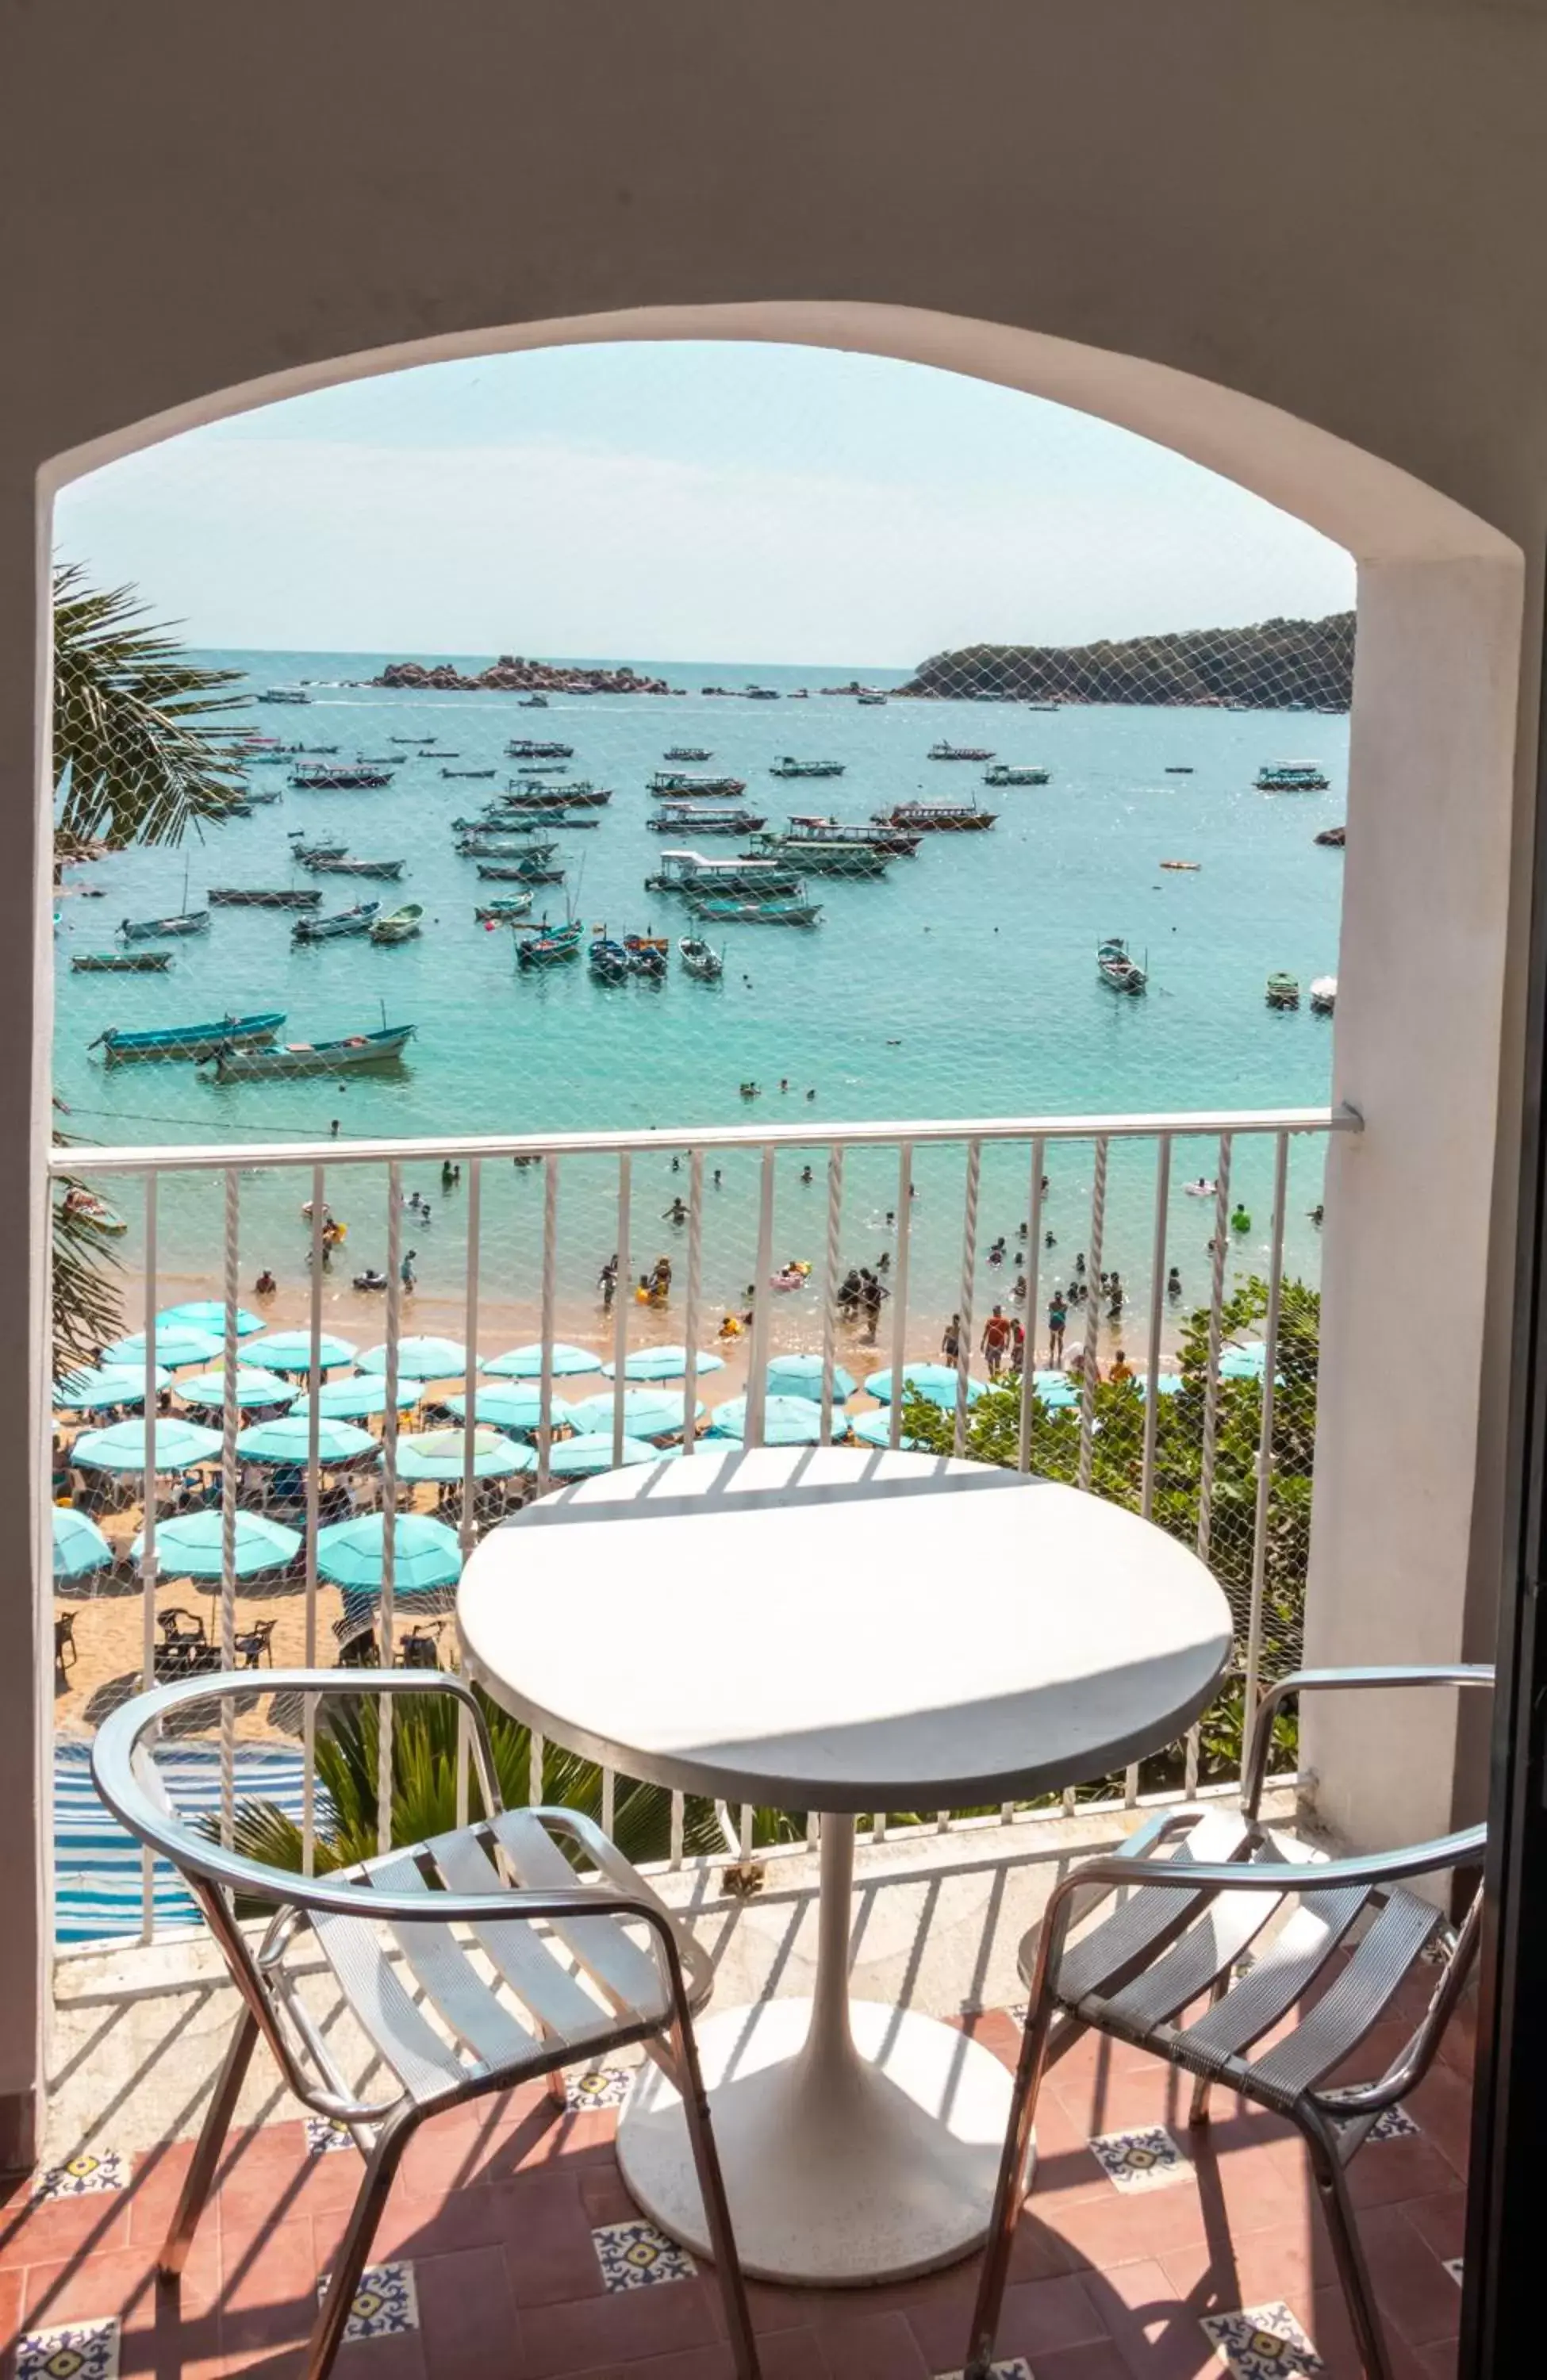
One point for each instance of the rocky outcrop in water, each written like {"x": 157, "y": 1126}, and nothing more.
{"x": 1277, "y": 665}
{"x": 511, "y": 675}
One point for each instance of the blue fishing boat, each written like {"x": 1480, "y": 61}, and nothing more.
{"x": 778, "y": 912}
{"x": 191, "y": 1040}
{"x": 551, "y": 945}
{"x": 357, "y": 920}
{"x": 297, "y": 1058}
{"x": 607, "y": 959}
{"x": 184, "y": 921}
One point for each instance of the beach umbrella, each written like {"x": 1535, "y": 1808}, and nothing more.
{"x": 79, "y": 1547}
{"x": 427, "y": 1555}
{"x": 526, "y": 1362}
{"x": 421, "y": 1359}
{"x": 442, "y": 1454}
{"x": 663, "y": 1364}
{"x": 289, "y": 1439}
{"x": 1244, "y": 1363}
{"x": 582, "y": 1458}
{"x": 100, "y": 1387}
{"x": 1058, "y": 1394}
{"x": 192, "y": 1545}
{"x": 935, "y": 1382}
{"x": 875, "y": 1430}
{"x": 252, "y": 1387}
{"x": 510, "y": 1405}
{"x": 800, "y": 1376}
{"x": 351, "y": 1399}
{"x": 176, "y": 1343}
{"x": 122, "y": 1448}
{"x": 290, "y": 1351}
{"x": 208, "y": 1314}
{"x": 647, "y": 1412}
{"x": 1167, "y": 1384}
{"x": 787, "y": 1421}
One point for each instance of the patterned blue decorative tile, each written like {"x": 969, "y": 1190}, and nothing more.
{"x": 638, "y": 2256}
{"x": 323, "y": 2136}
{"x": 1146, "y": 2159}
{"x": 74, "y": 2351}
{"x": 1391, "y": 2124}
{"x": 599, "y": 2086}
{"x": 1263, "y": 2342}
{"x": 92, "y": 2171}
{"x": 385, "y": 2301}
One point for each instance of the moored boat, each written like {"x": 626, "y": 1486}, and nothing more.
{"x": 307, "y": 852}
{"x": 291, "y": 1059}
{"x": 944, "y": 751}
{"x": 1323, "y": 994}
{"x": 1183, "y": 867}
{"x": 1117, "y": 969}
{"x": 339, "y": 781}
{"x": 673, "y": 782}
{"x": 398, "y": 925}
{"x": 687, "y": 752}
{"x": 1291, "y": 777}
{"x": 1333, "y": 836}
{"x": 648, "y": 954}
{"x": 260, "y": 795}
{"x": 520, "y": 872}
{"x": 357, "y": 921}
{"x": 191, "y": 1040}
{"x": 121, "y": 962}
{"x": 607, "y": 959}
{"x": 825, "y": 856}
{"x": 787, "y": 767}
{"x": 937, "y": 817}
{"x": 1283, "y": 990}
{"x": 526, "y": 748}
{"x": 469, "y": 772}
{"x": 690, "y": 872}
{"x": 387, "y": 869}
{"x": 184, "y": 921}
{"x": 893, "y": 841}
{"x": 284, "y": 694}
{"x": 535, "y": 799}
{"x": 264, "y": 897}
{"x": 1004, "y": 773}
{"x": 777, "y": 912}
{"x": 532, "y": 703}
{"x": 701, "y": 959}
{"x": 550, "y": 945}
{"x": 503, "y": 913}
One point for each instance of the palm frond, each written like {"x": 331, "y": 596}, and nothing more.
{"x": 135, "y": 759}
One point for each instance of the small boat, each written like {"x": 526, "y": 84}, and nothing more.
{"x": 307, "y": 852}
{"x": 284, "y": 694}
{"x": 121, "y": 962}
{"x": 357, "y": 920}
{"x": 526, "y": 830}
{"x": 389, "y": 870}
{"x": 648, "y": 954}
{"x": 943, "y": 751}
{"x": 1323, "y": 994}
{"x": 688, "y": 820}
{"x": 532, "y": 703}
{"x": 823, "y": 855}
{"x": 1183, "y": 867}
{"x": 410, "y": 739}
{"x": 430, "y": 753}
{"x": 687, "y": 752}
{"x": 259, "y": 795}
{"x": 527, "y": 867}
{"x": 805, "y": 832}
{"x": 786, "y": 767}
{"x": 262, "y": 896}
{"x": 145, "y": 930}
{"x": 378, "y": 760}
{"x": 525, "y": 747}
{"x": 339, "y": 781}
{"x": 872, "y": 701}
{"x": 558, "y": 798}
{"x": 518, "y": 872}
{"x": 191, "y": 1040}
{"x": 1291, "y": 777}
{"x": 551, "y": 945}
{"x": 313, "y": 748}
{"x": 690, "y": 872}
{"x": 937, "y": 817}
{"x": 398, "y": 925}
{"x": 469, "y": 772}
{"x": 1179, "y": 769}
{"x": 503, "y": 913}
{"x": 700, "y": 959}
{"x": 1117, "y": 970}
{"x": 673, "y": 781}
{"x": 1283, "y": 990}
{"x": 291, "y": 1059}
{"x": 761, "y": 693}
{"x": 607, "y": 959}
{"x": 1333, "y": 836}
{"x": 778, "y": 912}
{"x": 1003, "y": 774}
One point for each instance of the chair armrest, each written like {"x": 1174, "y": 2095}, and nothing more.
{"x": 1303, "y": 1681}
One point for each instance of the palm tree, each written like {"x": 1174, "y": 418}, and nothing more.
{"x": 134, "y": 761}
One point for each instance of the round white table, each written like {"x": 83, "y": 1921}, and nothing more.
{"x": 817, "y": 1629}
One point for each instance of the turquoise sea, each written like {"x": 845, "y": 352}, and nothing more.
{"x": 963, "y": 984}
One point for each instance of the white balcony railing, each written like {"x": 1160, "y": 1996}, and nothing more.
{"x": 1141, "y": 1141}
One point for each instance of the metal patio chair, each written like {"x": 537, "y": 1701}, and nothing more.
{"x": 1198, "y": 1893}
{"x": 405, "y": 1924}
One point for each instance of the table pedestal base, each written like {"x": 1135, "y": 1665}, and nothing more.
{"x": 867, "y": 2156}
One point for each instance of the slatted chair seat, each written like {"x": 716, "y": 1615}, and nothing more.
{"x": 469, "y": 1961}
{"x": 1204, "y": 1942}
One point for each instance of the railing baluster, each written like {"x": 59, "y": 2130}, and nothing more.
{"x": 609, "y": 1799}
{"x": 622, "y": 1294}
{"x": 228, "y": 1509}
{"x": 550, "y": 1307}
{"x": 1032, "y": 1269}
{"x": 389, "y": 1503}
{"x": 830, "y": 1286}
{"x": 1265, "y": 1439}
{"x": 1091, "y": 1360}
{"x": 690, "y": 1316}
{"x": 147, "y": 1529}
{"x": 968, "y": 1282}
{"x": 313, "y": 1519}
{"x": 536, "y": 1748}
{"x": 757, "y": 1370}
{"x": 679, "y": 1818}
{"x": 468, "y": 1531}
{"x": 899, "y": 1305}
{"x": 1152, "y": 1369}
{"x": 1210, "y": 1396}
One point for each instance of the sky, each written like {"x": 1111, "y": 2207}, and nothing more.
{"x": 684, "y": 502}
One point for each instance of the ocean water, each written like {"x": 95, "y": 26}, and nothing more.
{"x": 963, "y": 984}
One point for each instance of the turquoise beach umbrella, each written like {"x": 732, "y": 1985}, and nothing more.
{"x": 1057, "y": 1396}
{"x": 1247, "y": 1363}
{"x": 290, "y": 1351}
{"x": 787, "y": 1421}
{"x": 191, "y": 1545}
{"x": 582, "y": 1458}
{"x": 442, "y": 1454}
{"x": 647, "y": 1412}
{"x": 208, "y": 1314}
{"x": 176, "y": 1344}
{"x": 351, "y": 1399}
{"x": 1167, "y": 1384}
{"x": 426, "y": 1553}
{"x": 289, "y": 1439}
{"x": 875, "y": 1430}
{"x": 98, "y": 1388}
{"x": 935, "y": 1382}
{"x": 511, "y": 1405}
{"x": 526, "y": 1362}
{"x": 421, "y": 1359}
{"x": 252, "y": 1388}
{"x": 122, "y": 1448}
{"x": 663, "y": 1364}
{"x": 79, "y": 1547}
{"x": 800, "y": 1376}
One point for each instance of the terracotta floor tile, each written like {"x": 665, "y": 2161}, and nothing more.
{"x": 1099, "y": 2359}
{"x": 546, "y": 2235}
{"x": 1117, "y": 2229}
{"x": 1440, "y": 2222}
{"x": 268, "y": 2287}
{"x": 65, "y": 2227}
{"x": 118, "y": 2280}
{"x": 1038, "y": 2315}
{"x": 623, "y": 2326}
{"x": 1152, "y": 2325}
{"x": 1415, "y": 2292}
{"x": 466, "y": 2316}
{"x": 873, "y": 2346}
{"x": 1389, "y": 2171}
